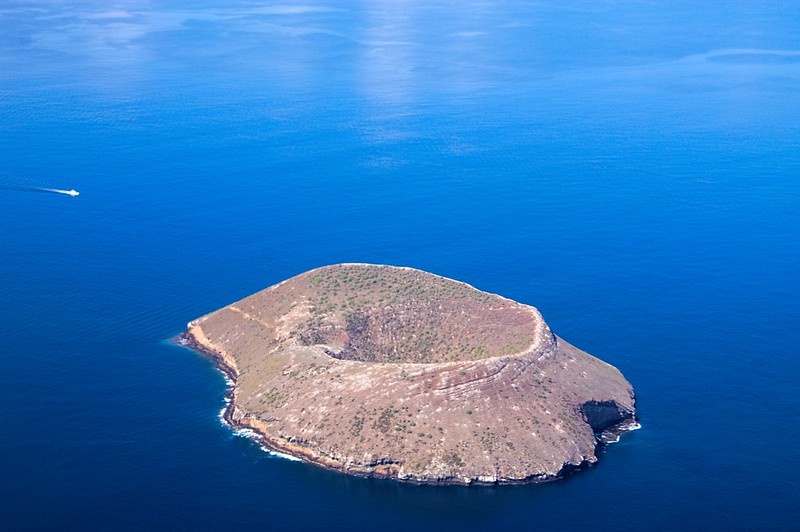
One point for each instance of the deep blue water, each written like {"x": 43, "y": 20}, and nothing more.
{"x": 629, "y": 168}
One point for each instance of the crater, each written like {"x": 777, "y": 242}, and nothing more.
{"x": 391, "y": 315}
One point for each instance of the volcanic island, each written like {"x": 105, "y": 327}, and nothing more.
{"x": 394, "y": 372}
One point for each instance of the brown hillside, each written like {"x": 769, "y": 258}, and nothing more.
{"x": 386, "y": 371}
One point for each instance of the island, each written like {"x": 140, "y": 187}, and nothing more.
{"x": 393, "y": 372}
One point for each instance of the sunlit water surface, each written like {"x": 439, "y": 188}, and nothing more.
{"x": 629, "y": 168}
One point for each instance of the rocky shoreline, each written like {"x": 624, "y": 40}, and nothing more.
{"x": 237, "y": 419}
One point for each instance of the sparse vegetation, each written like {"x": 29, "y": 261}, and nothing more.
{"x": 393, "y": 315}
{"x": 453, "y": 459}
{"x": 327, "y": 367}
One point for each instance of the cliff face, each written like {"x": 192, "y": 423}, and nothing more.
{"x": 394, "y": 372}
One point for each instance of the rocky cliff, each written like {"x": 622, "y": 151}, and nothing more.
{"x": 394, "y": 372}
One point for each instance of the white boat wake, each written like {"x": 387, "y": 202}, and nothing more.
{"x": 71, "y": 192}
{"x": 9, "y": 181}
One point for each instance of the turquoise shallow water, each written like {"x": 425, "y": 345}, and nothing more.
{"x": 630, "y": 169}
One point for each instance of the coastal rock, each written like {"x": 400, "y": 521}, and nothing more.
{"x": 394, "y": 372}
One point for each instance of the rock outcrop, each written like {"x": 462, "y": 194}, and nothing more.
{"x": 394, "y": 372}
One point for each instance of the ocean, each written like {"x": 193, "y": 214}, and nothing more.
{"x": 629, "y": 168}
